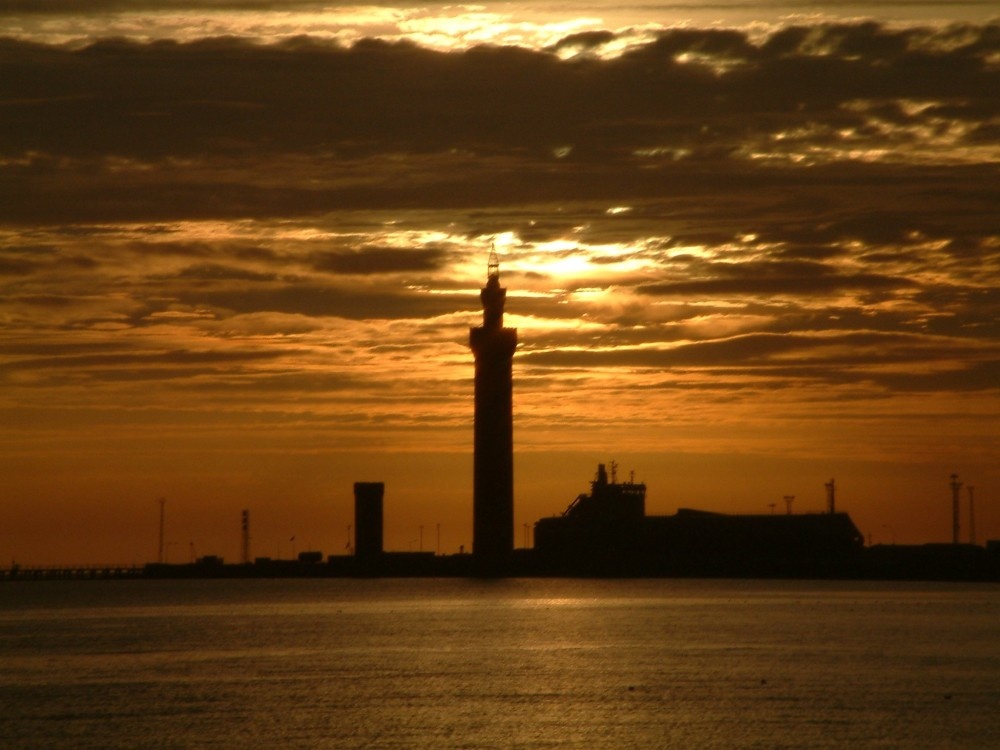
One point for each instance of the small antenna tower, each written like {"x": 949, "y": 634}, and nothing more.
{"x": 162, "y": 501}
{"x": 972, "y": 515}
{"x": 614, "y": 472}
{"x": 831, "y": 497}
{"x": 956, "y": 486}
{"x": 788, "y": 504}
{"x": 245, "y": 525}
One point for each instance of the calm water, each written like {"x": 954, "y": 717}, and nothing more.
{"x": 520, "y": 663}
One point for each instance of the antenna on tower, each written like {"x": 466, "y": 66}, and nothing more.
{"x": 956, "y": 486}
{"x": 493, "y": 266}
{"x": 831, "y": 497}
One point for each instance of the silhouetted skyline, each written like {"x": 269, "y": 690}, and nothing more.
{"x": 749, "y": 247}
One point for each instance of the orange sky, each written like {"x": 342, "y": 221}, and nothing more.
{"x": 745, "y": 254}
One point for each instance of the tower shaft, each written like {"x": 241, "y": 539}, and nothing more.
{"x": 368, "y": 498}
{"x": 493, "y": 443}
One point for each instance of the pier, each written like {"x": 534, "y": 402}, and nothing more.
{"x": 70, "y": 572}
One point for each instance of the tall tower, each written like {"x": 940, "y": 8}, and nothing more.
{"x": 368, "y": 519}
{"x": 493, "y": 470}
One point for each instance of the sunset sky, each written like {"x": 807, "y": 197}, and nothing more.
{"x": 748, "y": 247}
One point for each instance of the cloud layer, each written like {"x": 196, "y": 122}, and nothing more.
{"x": 820, "y": 93}
{"x": 732, "y": 235}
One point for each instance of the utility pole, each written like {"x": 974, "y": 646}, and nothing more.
{"x": 972, "y": 515}
{"x": 159, "y": 558}
{"x": 788, "y": 504}
{"x": 245, "y": 526}
{"x": 955, "y": 487}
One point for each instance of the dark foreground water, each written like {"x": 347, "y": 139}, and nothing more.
{"x": 516, "y": 663}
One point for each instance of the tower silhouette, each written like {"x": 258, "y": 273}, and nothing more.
{"x": 368, "y": 519}
{"x": 493, "y": 470}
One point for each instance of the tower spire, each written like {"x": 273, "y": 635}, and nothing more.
{"x": 493, "y": 295}
{"x": 493, "y": 265}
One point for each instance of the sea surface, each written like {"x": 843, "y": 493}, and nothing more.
{"x": 498, "y": 664}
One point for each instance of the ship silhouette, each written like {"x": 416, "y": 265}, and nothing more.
{"x": 607, "y": 532}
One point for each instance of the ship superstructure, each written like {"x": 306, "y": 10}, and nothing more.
{"x": 607, "y": 532}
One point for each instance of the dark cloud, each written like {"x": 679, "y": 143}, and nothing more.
{"x": 261, "y": 254}
{"x": 684, "y": 197}
{"x": 812, "y": 354}
{"x": 118, "y": 6}
{"x": 44, "y": 300}
{"x": 227, "y": 95}
{"x": 776, "y": 285}
{"x": 175, "y": 249}
{"x": 46, "y": 349}
{"x": 22, "y": 261}
{"x": 811, "y": 252}
{"x": 138, "y": 365}
{"x": 311, "y": 299}
{"x": 17, "y": 266}
{"x": 585, "y": 40}
{"x": 219, "y": 272}
{"x": 377, "y": 260}
{"x": 970, "y": 376}
{"x": 796, "y": 277}
{"x": 975, "y": 376}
